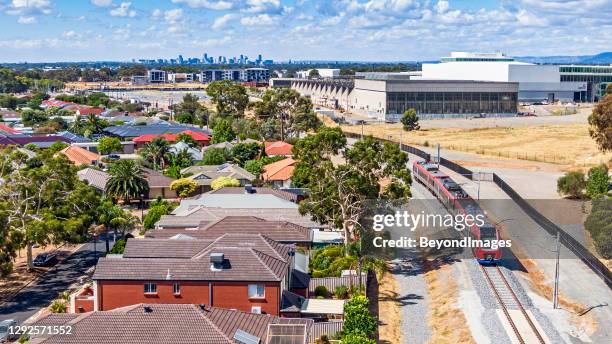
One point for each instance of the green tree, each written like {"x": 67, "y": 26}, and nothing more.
{"x": 108, "y": 145}
{"x": 303, "y": 122}
{"x": 10, "y": 83}
{"x": 155, "y": 213}
{"x": 57, "y": 146}
{"x": 223, "y": 132}
{"x": 600, "y": 121}
{"x": 214, "y": 156}
{"x": 599, "y": 226}
{"x": 338, "y": 192}
{"x": 571, "y": 185}
{"x": 242, "y": 152}
{"x": 181, "y": 158}
{"x": 156, "y": 152}
{"x": 45, "y": 203}
{"x": 185, "y": 117}
{"x": 188, "y": 139}
{"x": 254, "y": 167}
{"x": 222, "y": 182}
{"x": 33, "y": 117}
{"x": 190, "y": 105}
{"x": 597, "y": 182}
{"x": 229, "y": 98}
{"x": 357, "y": 317}
{"x": 184, "y": 187}
{"x": 410, "y": 120}
{"x": 355, "y": 338}
{"x": 127, "y": 181}
{"x": 119, "y": 247}
{"x": 313, "y": 73}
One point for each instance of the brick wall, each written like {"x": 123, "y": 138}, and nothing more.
{"x": 231, "y": 295}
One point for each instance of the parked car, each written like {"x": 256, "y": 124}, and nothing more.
{"x": 113, "y": 157}
{"x": 5, "y": 335}
{"x": 45, "y": 259}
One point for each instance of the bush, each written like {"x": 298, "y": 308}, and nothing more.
{"x": 321, "y": 291}
{"x": 410, "y": 120}
{"x": 357, "y": 317}
{"x": 223, "y": 182}
{"x": 184, "y": 187}
{"x": 599, "y": 226}
{"x": 58, "y": 306}
{"x": 243, "y": 152}
{"x": 597, "y": 182}
{"x": 108, "y": 145}
{"x": 341, "y": 292}
{"x": 603, "y": 242}
{"x": 215, "y": 156}
{"x": 355, "y": 338}
{"x": 119, "y": 247}
{"x": 571, "y": 184}
{"x": 155, "y": 213}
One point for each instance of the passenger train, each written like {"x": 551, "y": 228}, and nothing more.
{"x": 458, "y": 202}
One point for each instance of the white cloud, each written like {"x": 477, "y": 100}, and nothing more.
{"x": 222, "y": 21}
{"x": 529, "y": 19}
{"x": 29, "y": 7}
{"x": 156, "y": 13}
{"x": 102, "y": 3}
{"x": 442, "y": 6}
{"x": 263, "y": 6}
{"x": 174, "y": 15}
{"x": 123, "y": 10}
{"x": 69, "y": 34}
{"x": 27, "y": 20}
{"x": 260, "y": 20}
{"x": 211, "y": 5}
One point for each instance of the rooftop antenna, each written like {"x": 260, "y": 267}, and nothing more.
{"x": 168, "y": 275}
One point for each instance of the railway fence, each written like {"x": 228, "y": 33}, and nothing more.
{"x": 588, "y": 258}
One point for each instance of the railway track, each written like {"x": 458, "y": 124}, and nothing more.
{"x": 521, "y": 323}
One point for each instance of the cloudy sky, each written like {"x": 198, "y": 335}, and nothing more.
{"x": 372, "y": 30}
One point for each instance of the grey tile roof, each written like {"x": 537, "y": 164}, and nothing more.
{"x": 281, "y": 231}
{"x": 139, "y": 324}
{"x": 248, "y": 258}
{"x": 289, "y": 196}
{"x": 95, "y": 178}
{"x": 193, "y": 217}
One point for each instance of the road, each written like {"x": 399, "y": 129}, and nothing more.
{"x": 42, "y": 292}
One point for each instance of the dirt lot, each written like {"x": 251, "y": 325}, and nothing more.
{"x": 565, "y": 144}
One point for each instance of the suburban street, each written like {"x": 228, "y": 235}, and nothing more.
{"x": 42, "y": 292}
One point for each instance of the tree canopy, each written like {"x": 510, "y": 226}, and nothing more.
{"x": 601, "y": 123}
{"x": 127, "y": 181}
{"x": 229, "y": 98}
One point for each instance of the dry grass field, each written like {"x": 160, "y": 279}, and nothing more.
{"x": 565, "y": 144}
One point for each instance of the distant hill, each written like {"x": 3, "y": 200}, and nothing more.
{"x": 602, "y": 58}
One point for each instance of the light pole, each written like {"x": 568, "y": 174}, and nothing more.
{"x": 556, "y": 290}
{"x": 141, "y": 207}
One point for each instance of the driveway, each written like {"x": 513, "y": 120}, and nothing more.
{"x": 42, "y": 292}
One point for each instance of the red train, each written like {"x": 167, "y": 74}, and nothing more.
{"x": 457, "y": 201}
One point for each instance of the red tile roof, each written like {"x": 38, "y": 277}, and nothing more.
{"x": 278, "y": 148}
{"x": 90, "y": 111}
{"x": 172, "y": 137}
{"x": 281, "y": 170}
{"x": 80, "y": 156}
{"x": 5, "y": 128}
{"x": 54, "y": 103}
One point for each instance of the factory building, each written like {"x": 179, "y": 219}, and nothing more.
{"x": 385, "y": 96}
{"x": 567, "y": 83}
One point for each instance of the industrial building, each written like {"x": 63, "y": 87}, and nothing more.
{"x": 567, "y": 83}
{"x": 244, "y": 75}
{"x": 385, "y": 96}
{"x": 157, "y": 76}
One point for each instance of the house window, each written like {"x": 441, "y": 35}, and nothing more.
{"x": 150, "y": 288}
{"x": 176, "y": 289}
{"x": 257, "y": 291}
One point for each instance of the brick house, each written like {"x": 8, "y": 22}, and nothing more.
{"x": 247, "y": 272}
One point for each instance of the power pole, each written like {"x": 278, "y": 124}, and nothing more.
{"x": 556, "y": 291}
{"x": 438, "y": 156}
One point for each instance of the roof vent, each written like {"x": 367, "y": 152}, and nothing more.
{"x": 217, "y": 260}
{"x": 148, "y": 309}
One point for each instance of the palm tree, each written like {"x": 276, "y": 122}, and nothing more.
{"x": 127, "y": 180}
{"x": 77, "y": 127}
{"x": 156, "y": 151}
{"x": 94, "y": 123}
{"x": 181, "y": 158}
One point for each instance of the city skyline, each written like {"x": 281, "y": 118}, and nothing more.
{"x": 388, "y": 30}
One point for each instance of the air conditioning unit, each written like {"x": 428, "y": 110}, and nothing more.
{"x": 256, "y": 309}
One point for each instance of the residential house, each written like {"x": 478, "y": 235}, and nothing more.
{"x": 283, "y": 232}
{"x": 39, "y": 141}
{"x": 12, "y": 116}
{"x": 247, "y": 272}
{"x": 279, "y": 173}
{"x": 6, "y": 130}
{"x": 195, "y": 153}
{"x": 159, "y": 185}
{"x": 204, "y": 175}
{"x": 292, "y": 195}
{"x": 223, "y": 145}
{"x": 128, "y": 132}
{"x": 74, "y": 138}
{"x": 200, "y": 138}
{"x": 55, "y": 103}
{"x": 153, "y": 323}
{"x": 80, "y": 156}
{"x": 278, "y": 148}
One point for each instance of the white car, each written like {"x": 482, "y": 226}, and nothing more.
{"x": 4, "y": 330}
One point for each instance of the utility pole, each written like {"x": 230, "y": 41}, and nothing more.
{"x": 556, "y": 291}
{"x": 438, "y": 156}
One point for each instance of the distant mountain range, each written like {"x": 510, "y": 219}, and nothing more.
{"x": 602, "y": 58}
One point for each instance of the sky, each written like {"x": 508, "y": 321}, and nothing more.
{"x": 355, "y": 30}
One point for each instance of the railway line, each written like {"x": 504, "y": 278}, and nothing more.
{"x": 523, "y": 327}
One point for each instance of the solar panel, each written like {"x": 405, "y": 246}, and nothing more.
{"x": 286, "y": 334}
{"x": 245, "y": 337}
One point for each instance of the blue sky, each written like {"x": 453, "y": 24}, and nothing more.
{"x": 380, "y": 30}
